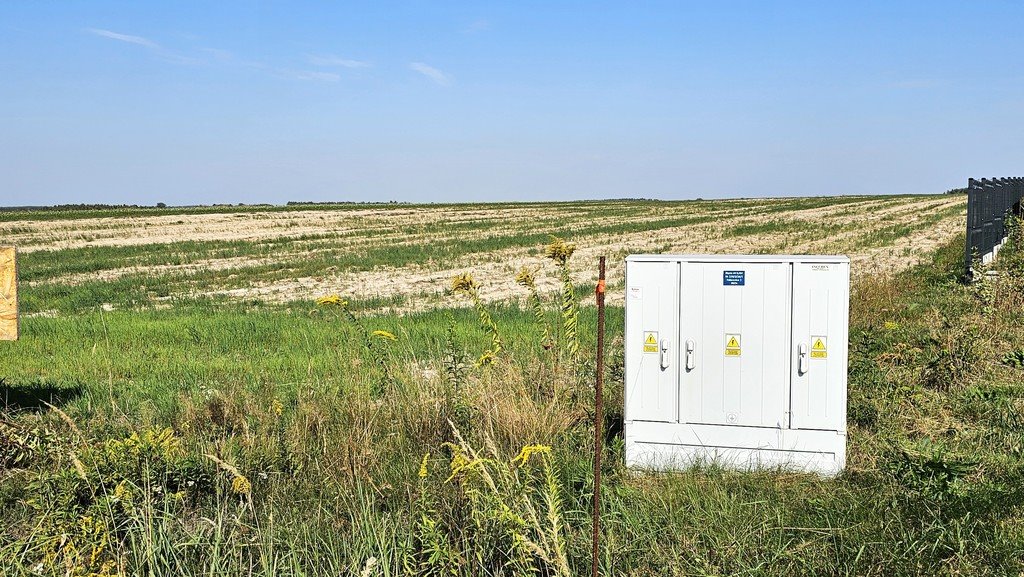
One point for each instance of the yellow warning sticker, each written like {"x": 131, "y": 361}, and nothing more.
{"x": 819, "y": 348}
{"x": 732, "y": 345}
{"x": 651, "y": 342}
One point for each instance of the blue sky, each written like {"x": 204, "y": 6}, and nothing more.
{"x": 205, "y": 102}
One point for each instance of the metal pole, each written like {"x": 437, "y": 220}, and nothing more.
{"x": 598, "y": 416}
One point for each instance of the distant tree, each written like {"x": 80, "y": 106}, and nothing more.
{"x": 161, "y": 205}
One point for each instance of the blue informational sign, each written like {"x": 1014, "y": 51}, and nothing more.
{"x": 734, "y": 278}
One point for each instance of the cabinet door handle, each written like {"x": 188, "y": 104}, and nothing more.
{"x": 664, "y": 353}
{"x": 691, "y": 362}
{"x": 801, "y": 355}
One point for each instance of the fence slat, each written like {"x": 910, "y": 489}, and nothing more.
{"x": 988, "y": 202}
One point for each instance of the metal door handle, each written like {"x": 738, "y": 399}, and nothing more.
{"x": 801, "y": 356}
{"x": 664, "y": 353}
{"x": 690, "y": 361}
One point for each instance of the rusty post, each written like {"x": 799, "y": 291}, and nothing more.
{"x": 598, "y": 416}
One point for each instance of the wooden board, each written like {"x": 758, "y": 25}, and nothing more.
{"x": 8, "y": 293}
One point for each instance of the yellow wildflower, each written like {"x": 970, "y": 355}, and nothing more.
{"x": 559, "y": 250}
{"x": 459, "y": 461}
{"x": 891, "y": 325}
{"x": 277, "y": 407}
{"x": 160, "y": 442}
{"x": 240, "y": 485}
{"x": 529, "y": 450}
{"x": 463, "y": 283}
{"x": 526, "y": 277}
{"x": 486, "y": 358}
{"x": 385, "y": 335}
{"x": 122, "y": 492}
{"x": 423, "y": 466}
{"x": 332, "y": 300}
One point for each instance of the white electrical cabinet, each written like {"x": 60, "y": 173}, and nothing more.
{"x": 736, "y": 360}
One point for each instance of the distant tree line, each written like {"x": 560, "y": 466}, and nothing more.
{"x": 159, "y": 205}
{"x": 66, "y": 207}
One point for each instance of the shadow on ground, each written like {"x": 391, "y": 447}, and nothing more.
{"x": 33, "y": 396}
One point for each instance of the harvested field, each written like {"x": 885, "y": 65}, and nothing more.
{"x": 400, "y": 258}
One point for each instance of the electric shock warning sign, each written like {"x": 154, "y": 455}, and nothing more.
{"x": 732, "y": 345}
{"x": 819, "y": 348}
{"x": 651, "y": 342}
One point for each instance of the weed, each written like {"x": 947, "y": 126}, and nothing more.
{"x": 560, "y": 252}
{"x": 527, "y": 278}
{"x": 955, "y": 351}
{"x": 514, "y": 509}
{"x": 464, "y": 284}
{"x": 930, "y": 470}
{"x": 456, "y": 370}
{"x": 1014, "y": 359}
{"x": 21, "y": 447}
{"x": 375, "y": 342}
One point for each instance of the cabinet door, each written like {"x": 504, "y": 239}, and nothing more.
{"x": 820, "y": 317}
{"x": 734, "y": 342}
{"x": 652, "y": 327}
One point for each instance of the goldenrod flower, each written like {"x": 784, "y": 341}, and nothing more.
{"x": 526, "y": 277}
{"x": 160, "y": 442}
{"x": 385, "y": 335}
{"x": 459, "y": 461}
{"x": 240, "y": 485}
{"x": 463, "y": 283}
{"x": 529, "y": 450}
{"x": 488, "y": 357}
{"x": 277, "y": 407}
{"x": 559, "y": 250}
{"x": 122, "y": 492}
{"x": 423, "y": 466}
{"x": 332, "y": 300}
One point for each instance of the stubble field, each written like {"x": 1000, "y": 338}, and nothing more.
{"x": 400, "y": 258}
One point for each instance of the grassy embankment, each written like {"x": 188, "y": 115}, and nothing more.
{"x": 239, "y": 439}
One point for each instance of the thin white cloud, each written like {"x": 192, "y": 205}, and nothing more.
{"x": 220, "y": 57}
{"x": 432, "y": 73}
{"x": 314, "y": 75}
{"x": 328, "y": 60}
{"x": 124, "y": 37}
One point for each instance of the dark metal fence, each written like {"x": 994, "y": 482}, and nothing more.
{"x": 989, "y": 200}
